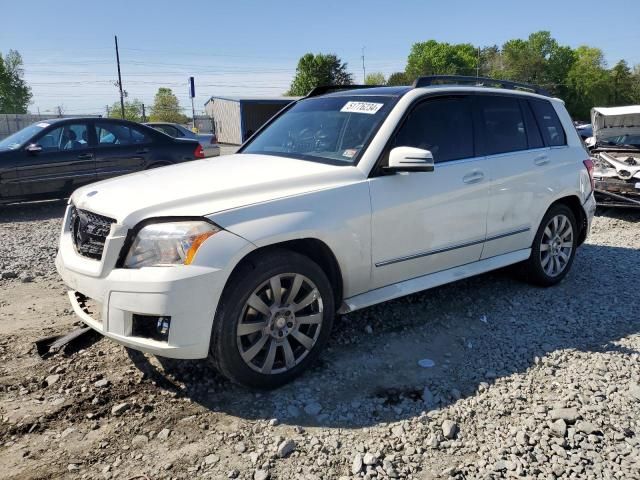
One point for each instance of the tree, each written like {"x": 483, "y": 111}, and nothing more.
{"x": 588, "y": 82}
{"x": 440, "y": 58}
{"x": 375, "y": 78}
{"x": 132, "y": 110}
{"x": 15, "y": 94}
{"x": 166, "y": 107}
{"x": 397, "y": 79}
{"x": 316, "y": 70}
{"x": 622, "y": 84}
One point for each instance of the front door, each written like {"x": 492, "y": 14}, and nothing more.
{"x": 64, "y": 163}
{"x": 425, "y": 222}
{"x": 120, "y": 149}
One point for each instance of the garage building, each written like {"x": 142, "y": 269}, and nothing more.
{"x": 236, "y": 119}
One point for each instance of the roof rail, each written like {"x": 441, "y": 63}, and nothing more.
{"x": 336, "y": 88}
{"x": 477, "y": 82}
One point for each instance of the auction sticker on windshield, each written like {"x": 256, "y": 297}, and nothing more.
{"x": 361, "y": 107}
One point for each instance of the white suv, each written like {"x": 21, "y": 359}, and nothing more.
{"x": 347, "y": 198}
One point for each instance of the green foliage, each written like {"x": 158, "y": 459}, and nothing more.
{"x": 317, "y": 70}
{"x": 132, "y": 110}
{"x": 397, "y": 79}
{"x": 166, "y": 108}
{"x": 375, "y": 78}
{"x": 579, "y": 76}
{"x": 588, "y": 82}
{"x": 15, "y": 94}
{"x": 439, "y": 58}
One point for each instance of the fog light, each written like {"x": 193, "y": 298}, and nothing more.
{"x": 163, "y": 325}
{"x": 153, "y": 327}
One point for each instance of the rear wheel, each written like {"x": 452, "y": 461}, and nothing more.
{"x": 554, "y": 247}
{"x": 273, "y": 320}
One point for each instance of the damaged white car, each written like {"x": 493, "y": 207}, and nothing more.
{"x": 615, "y": 147}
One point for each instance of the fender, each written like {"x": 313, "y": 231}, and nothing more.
{"x": 340, "y": 217}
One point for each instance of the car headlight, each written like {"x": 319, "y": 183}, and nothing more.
{"x": 168, "y": 243}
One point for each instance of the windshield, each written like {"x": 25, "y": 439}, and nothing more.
{"x": 632, "y": 141}
{"x": 20, "y": 138}
{"x": 326, "y": 129}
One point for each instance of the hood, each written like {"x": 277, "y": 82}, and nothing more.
{"x": 609, "y": 122}
{"x": 203, "y": 187}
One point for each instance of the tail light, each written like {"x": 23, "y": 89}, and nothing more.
{"x": 589, "y": 166}
{"x": 199, "y": 152}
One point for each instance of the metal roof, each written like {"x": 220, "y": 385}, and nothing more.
{"x": 255, "y": 99}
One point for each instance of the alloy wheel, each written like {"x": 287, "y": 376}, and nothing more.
{"x": 280, "y": 323}
{"x": 556, "y": 245}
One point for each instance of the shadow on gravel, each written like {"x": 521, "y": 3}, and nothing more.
{"x": 626, "y": 214}
{"x": 28, "y": 212}
{"x": 476, "y": 330}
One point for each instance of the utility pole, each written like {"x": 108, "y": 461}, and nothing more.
{"x": 119, "y": 79}
{"x": 478, "y": 64}
{"x": 192, "y": 94}
{"x": 144, "y": 114}
{"x": 364, "y": 70}
{"x": 107, "y": 108}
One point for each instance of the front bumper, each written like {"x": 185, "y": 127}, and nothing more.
{"x": 187, "y": 294}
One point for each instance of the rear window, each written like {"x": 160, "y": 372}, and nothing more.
{"x": 549, "y": 123}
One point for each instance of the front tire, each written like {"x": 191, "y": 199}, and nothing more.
{"x": 554, "y": 247}
{"x": 274, "y": 318}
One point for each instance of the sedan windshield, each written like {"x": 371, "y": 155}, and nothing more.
{"x": 20, "y": 138}
{"x": 327, "y": 129}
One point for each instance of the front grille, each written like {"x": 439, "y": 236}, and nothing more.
{"x": 89, "y": 232}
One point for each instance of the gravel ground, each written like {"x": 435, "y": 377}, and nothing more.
{"x": 525, "y": 382}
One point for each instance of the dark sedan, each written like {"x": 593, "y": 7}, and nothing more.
{"x": 51, "y": 158}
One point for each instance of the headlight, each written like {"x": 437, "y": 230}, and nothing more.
{"x": 169, "y": 243}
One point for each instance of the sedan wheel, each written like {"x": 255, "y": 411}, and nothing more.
{"x": 280, "y": 323}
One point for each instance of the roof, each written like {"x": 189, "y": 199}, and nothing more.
{"x": 379, "y": 91}
{"x": 627, "y": 110}
{"x": 256, "y": 99}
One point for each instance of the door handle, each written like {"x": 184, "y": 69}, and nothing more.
{"x": 473, "y": 177}
{"x": 143, "y": 150}
{"x": 85, "y": 156}
{"x": 541, "y": 160}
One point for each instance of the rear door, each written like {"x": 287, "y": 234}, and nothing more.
{"x": 516, "y": 160}
{"x": 64, "y": 163}
{"x": 425, "y": 222}
{"x": 121, "y": 148}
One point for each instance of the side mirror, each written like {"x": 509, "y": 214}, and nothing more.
{"x": 410, "y": 159}
{"x": 590, "y": 142}
{"x": 34, "y": 148}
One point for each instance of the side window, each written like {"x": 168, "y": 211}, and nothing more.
{"x": 552, "y": 131}
{"x": 533, "y": 132}
{"x": 503, "y": 124}
{"x": 67, "y": 137}
{"x": 169, "y": 130}
{"x": 110, "y": 134}
{"x": 442, "y": 125}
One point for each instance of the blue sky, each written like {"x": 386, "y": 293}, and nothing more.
{"x": 252, "y": 47}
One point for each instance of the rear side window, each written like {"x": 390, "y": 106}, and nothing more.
{"x": 549, "y": 123}
{"x": 443, "y": 126}
{"x": 116, "y": 134}
{"x": 503, "y": 124}
{"x": 533, "y": 132}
